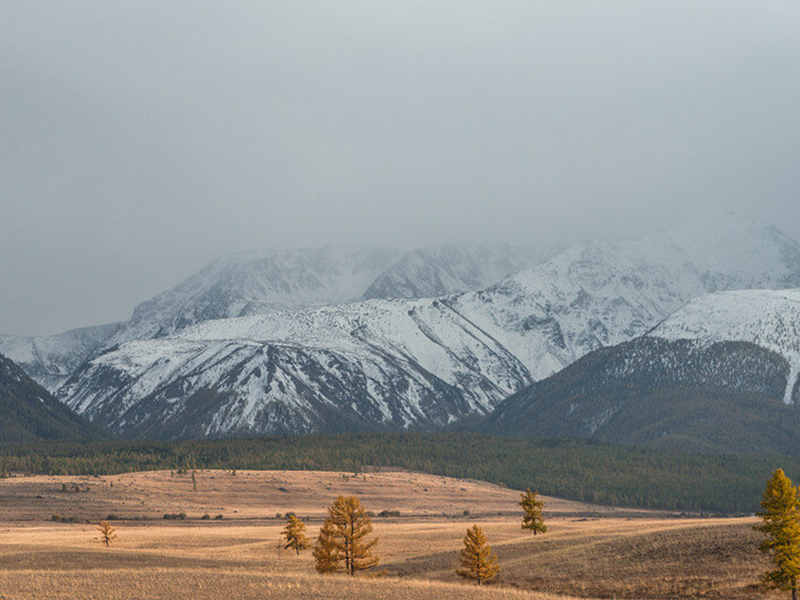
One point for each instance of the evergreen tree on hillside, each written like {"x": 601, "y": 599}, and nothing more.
{"x": 295, "y": 534}
{"x": 477, "y": 560}
{"x": 532, "y": 508}
{"x": 342, "y": 544}
{"x": 780, "y": 516}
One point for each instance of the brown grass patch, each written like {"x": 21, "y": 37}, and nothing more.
{"x": 612, "y": 558}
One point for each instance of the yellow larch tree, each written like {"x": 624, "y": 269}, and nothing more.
{"x": 295, "y": 535}
{"x": 780, "y": 523}
{"x": 477, "y": 560}
{"x": 107, "y": 533}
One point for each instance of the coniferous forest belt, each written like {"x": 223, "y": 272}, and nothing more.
{"x": 575, "y": 469}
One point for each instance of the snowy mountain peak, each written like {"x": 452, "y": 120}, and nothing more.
{"x": 451, "y": 269}
{"x": 250, "y": 283}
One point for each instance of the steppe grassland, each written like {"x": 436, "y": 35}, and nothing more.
{"x": 257, "y": 494}
{"x": 589, "y": 552}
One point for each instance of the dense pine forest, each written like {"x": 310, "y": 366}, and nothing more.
{"x": 575, "y": 469}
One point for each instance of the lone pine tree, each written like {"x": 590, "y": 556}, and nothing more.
{"x": 532, "y": 507}
{"x": 780, "y": 516}
{"x": 477, "y": 560}
{"x": 295, "y": 534}
{"x": 342, "y": 544}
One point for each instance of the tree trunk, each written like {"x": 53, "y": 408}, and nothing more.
{"x": 351, "y": 559}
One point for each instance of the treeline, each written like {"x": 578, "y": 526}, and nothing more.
{"x": 576, "y": 469}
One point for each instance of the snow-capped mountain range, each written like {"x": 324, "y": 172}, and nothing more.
{"x": 246, "y": 284}
{"x": 225, "y": 354}
{"x": 253, "y": 283}
{"x": 366, "y": 365}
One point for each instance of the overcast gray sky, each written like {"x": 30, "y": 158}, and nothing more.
{"x": 141, "y": 139}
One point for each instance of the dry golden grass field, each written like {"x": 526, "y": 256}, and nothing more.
{"x": 589, "y": 551}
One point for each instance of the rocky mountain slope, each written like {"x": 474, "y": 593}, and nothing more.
{"x": 416, "y": 363}
{"x": 28, "y": 413}
{"x": 719, "y": 374}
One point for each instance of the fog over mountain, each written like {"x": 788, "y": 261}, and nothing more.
{"x": 141, "y": 141}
